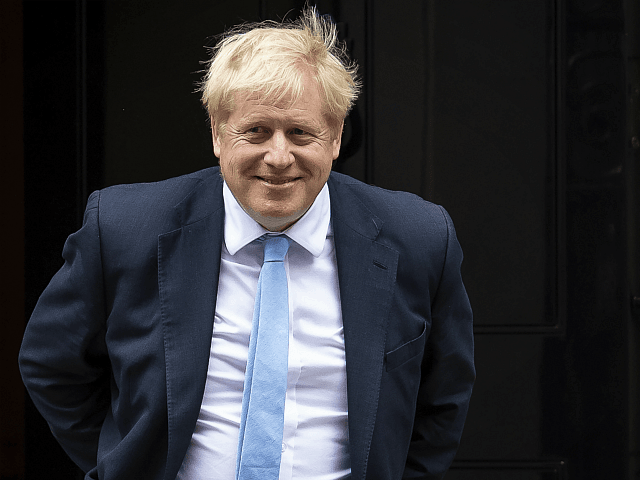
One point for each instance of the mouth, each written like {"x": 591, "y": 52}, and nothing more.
{"x": 277, "y": 181}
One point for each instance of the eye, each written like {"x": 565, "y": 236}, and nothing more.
{"x": 298, "y": 131}
{"x": 257, "y": 130}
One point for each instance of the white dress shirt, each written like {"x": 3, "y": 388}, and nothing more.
{"x": 315, "y": 441}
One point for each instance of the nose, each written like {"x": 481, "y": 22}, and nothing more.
{"x": 279, "y": 153}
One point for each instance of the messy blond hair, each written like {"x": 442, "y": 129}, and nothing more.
{"x": 271, "y": 58}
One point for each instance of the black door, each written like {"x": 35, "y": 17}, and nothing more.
{"x": 516, "y": 115}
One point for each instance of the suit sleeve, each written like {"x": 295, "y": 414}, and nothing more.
{"x": 63, "y": 359}
{"x": 448, "y": 372}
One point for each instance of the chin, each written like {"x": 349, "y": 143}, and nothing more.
{"x": 276, "y": 220}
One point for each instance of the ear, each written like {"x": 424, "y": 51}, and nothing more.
{"x": 337, "y": 141}
{"x": 215, "y": 136}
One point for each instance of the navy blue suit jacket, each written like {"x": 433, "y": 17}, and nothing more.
{"x": 115, "y": 355}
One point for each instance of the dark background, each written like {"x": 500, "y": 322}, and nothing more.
{"x": 519, "y": 116}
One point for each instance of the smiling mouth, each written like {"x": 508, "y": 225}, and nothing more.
{"x": 277, "y": 181}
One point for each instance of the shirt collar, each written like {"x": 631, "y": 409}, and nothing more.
{"x": 310, "y": 231}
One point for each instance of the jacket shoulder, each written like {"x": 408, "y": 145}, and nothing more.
{"x": 400, "y": 212}
{"x": 149, "y": 205}
{"x": 165, "y": 193}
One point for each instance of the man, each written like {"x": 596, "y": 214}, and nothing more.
{"x": 139, "y": 352}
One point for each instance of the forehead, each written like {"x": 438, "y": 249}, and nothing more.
{"x": 307, "y": 103}
{"x": 256, "y": 111}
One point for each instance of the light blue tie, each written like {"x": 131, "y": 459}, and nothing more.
{"x": 265, "y": 381}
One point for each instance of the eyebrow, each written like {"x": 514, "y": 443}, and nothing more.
{"x": 253, "y": 119}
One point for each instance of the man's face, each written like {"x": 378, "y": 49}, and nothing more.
{"x": 276, "y": 158}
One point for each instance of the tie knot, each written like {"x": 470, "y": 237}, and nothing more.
{"x": 275, "y": 248}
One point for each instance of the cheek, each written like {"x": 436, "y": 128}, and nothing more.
{"x": 227, "y": 169}
{"x": 324, "y": 166}
{"x": 227, "y": 161}
{"x": 235, "y": 173}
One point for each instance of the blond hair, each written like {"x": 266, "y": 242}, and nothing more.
{"x": 271, "y": 58}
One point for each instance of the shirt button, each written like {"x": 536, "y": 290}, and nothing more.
{"x": 284, "y": 447}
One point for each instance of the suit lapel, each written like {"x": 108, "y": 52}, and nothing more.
{"x": 366, "y": 273}
{"x": 188, "y": 269}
